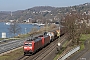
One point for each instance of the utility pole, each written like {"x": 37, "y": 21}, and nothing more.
{"x": 59, "y": 44}
{"x": 46, "y": 28}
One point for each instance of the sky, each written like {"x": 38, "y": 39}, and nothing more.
{"x": 14, "y": 5}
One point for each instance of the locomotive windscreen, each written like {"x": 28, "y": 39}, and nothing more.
{"x": 28, "y": 44}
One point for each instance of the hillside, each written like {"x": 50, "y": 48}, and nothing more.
{"x": 43, "y": 12}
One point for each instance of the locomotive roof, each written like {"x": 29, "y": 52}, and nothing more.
{"x": 43, "y": 35}
{"x": 35, "y": 39}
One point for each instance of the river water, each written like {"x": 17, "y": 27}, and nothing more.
{"x": 25, "y": 28}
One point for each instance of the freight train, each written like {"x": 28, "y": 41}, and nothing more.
{"x": 33, "y": 45}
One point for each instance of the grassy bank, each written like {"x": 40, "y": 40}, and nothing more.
{"x": 83, "y": 38}
{"x": 13, "y": 55}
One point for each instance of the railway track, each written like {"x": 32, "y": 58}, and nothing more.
{"x": 87, "y": 49}
{"x": 42, "y": 54}
{"x": 80, "y": 54}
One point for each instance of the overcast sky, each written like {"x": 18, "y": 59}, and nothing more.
{"x": 13, "y": 5}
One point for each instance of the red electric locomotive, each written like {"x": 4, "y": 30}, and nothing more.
{"x": 31, "y": 46}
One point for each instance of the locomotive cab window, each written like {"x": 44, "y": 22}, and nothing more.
{"x": 28, "y": 44}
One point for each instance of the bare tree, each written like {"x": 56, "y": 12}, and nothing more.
{"x": 14, "y": 28}
{"x": 74, "y": 26}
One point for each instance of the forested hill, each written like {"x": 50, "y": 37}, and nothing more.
{"x": 42, "y": 11}
{"x": 42, "y": 8}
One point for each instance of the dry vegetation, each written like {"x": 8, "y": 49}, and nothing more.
{"x": 13, "y": 55}
{"x": 76, "y": 25}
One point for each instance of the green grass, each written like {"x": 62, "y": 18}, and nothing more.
{"x": 13, "y": 55}
{"x": 85, "y": 37}
{"x": 82, "y": 47}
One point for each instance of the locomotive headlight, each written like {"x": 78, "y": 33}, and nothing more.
{"x": 25, "y": 47}
{"x": 59, "y": 44}
{"x": 30, "y": 47}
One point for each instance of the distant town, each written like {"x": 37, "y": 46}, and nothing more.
{"x": 43, "y": 14}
